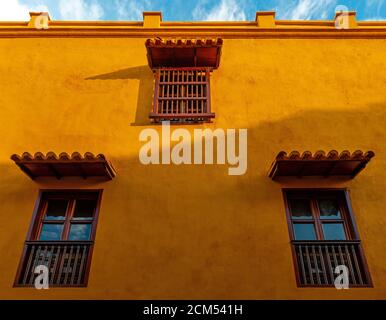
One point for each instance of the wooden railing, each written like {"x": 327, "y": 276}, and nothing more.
{"x": 182, "y": 95}
{"x": 66, "y": 261}
{"x": 316, "y": 262}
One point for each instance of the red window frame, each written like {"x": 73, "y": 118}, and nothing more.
{"x": 322, "y": 249}
{"x": 316, "y": 220}
{"x": 72, "y": 198}
{"x": 71, "y": 247}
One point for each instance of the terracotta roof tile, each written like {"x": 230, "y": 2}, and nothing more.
{"x": 172, "y": 42}
{"x": 64, "y": 164}
{"x": 320, "y": 163}
{"x": 172, "y": 52}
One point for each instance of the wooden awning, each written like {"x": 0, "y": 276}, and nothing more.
{"x": 319, "y": 164}
{"x": 183, "y": 53}
{"x": 64, "y": 165}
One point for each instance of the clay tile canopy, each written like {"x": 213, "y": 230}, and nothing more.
{"x": 183, "y": 53}
{"x": 64, "y": 165}
{"x": 319, "y": 164}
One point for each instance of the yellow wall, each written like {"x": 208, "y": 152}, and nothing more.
{"x": 192, "y": 231}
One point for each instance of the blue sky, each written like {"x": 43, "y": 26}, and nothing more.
{"x": 189, "y": 10}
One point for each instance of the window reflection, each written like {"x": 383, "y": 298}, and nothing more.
{"x": 51, "y": 232}
{"x": 334, "y": 231}
{"x": 300, "y": 209}
{"x": 56, "y": 209}
{"x": 80, "y": 232}
{"x": 329, "y": 209}
{"x": 84, "y": 209}
{"x": 304, "y": 231}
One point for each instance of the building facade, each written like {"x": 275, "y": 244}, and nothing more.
{"x": 85, "y": 106}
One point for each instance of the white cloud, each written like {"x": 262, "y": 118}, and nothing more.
{"x": 374, "y": 19}
{"x": 373, "y": 9}
{"x": 80, "y": 10}
{"x": 377, "y": 4}
{"x": 307, "y": 10}
{"x": 224, "y": 11}
{"x": 130, "y": 10}
{"x": 13, "y": 10}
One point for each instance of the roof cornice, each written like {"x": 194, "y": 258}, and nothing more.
{"x": 225, "y": 33}
{"x": 265, "y": 26}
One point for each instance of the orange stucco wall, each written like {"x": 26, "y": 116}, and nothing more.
{"x": 192, "y": 231}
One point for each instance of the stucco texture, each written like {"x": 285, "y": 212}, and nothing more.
{"x": 192, "y": 231}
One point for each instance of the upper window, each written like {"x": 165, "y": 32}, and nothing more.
{"x": 61, "y": 238}
{"x": 182, "y": 70}
{"x": 324, "y": 236}
{"x": 182, "y": 95}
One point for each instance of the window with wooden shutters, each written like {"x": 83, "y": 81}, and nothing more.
{"x": 61, "y": 238}
{"x": 324, "y": 236}
{"x": 182, "y": 70}
{"x": 182, "y": 95}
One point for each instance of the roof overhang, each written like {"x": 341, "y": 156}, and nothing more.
{"x": 319, "y": 164}
{"x": 64, "y": 165}
{"x": 183, "y": 53}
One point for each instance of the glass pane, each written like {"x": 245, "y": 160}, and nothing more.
{"x": 56, "y": 209}
{"x": 80, "y": 232}
{"x": 84, "y": 209}
{"x": 51, "y": 232}
{"x": 329, "y": 209}
{"x": 334, "y": 231}
{"x": 304, "y": 231}
{"x": 300, "y": 209}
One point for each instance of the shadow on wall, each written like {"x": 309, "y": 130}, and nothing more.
{"x": 161, "y": 236}
{"x": 144, "y": 100}
{"x": 310, "y": 130}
